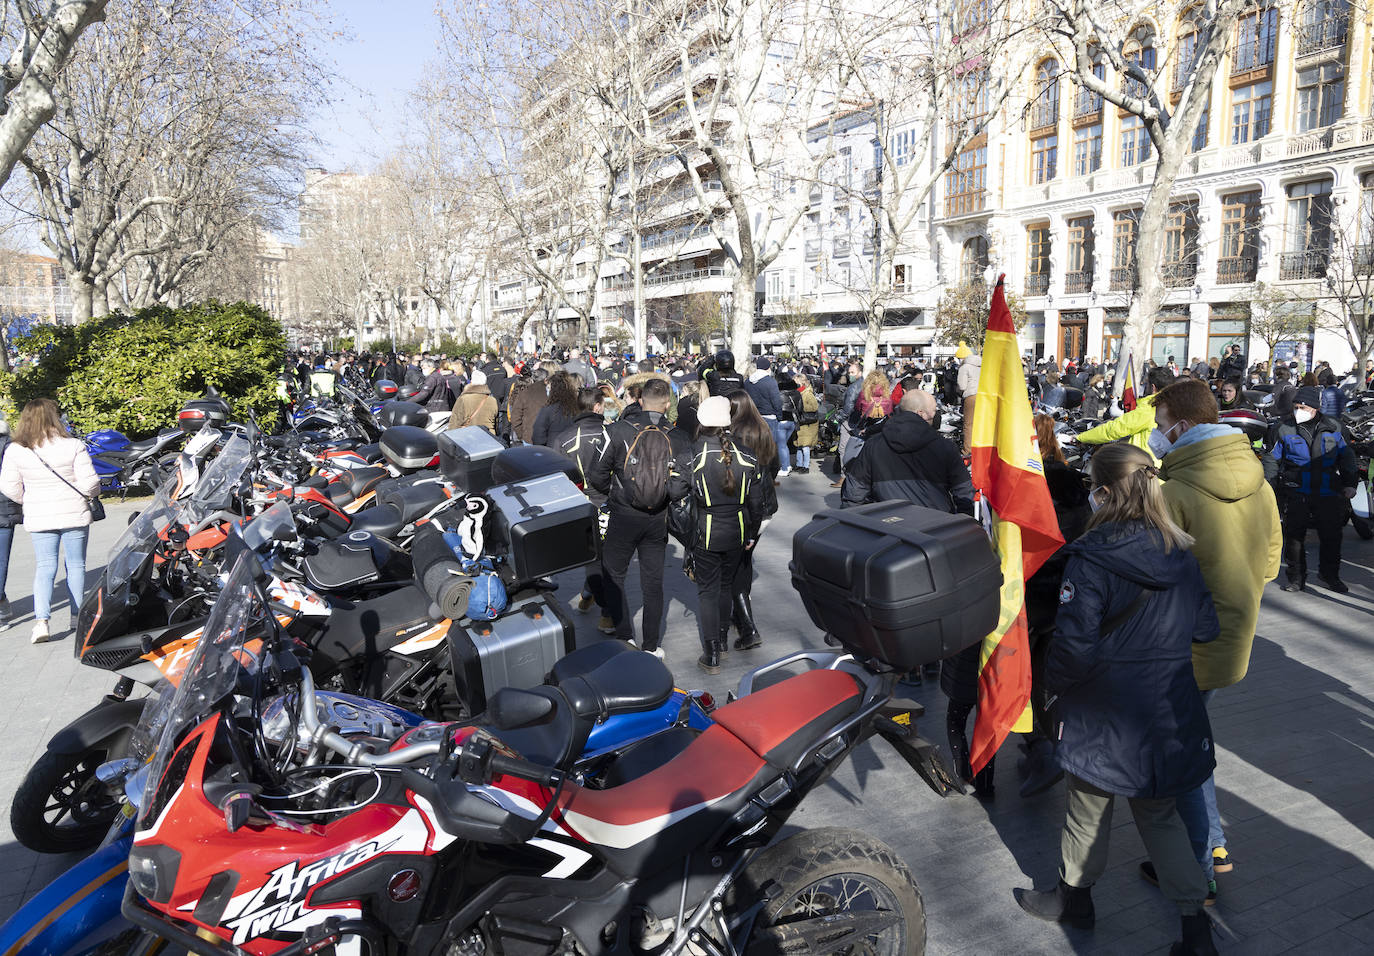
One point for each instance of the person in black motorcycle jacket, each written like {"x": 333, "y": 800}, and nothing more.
{"x": 907, "y": 458}
{"x": 726, "y": 486}
{"x": 718, "y": 372}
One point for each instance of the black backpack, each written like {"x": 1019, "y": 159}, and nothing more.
{"x": 647, "y": 462}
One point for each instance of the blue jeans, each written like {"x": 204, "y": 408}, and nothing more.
{"x": 803, "y": 456}
{"x": 6, "y": 541}
{"x": 73, "y": 541}
{"x": 1198, "y": 808}
{"x": 781, "y": 432}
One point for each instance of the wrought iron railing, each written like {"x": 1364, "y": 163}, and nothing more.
{"x": 1304, "y": 265}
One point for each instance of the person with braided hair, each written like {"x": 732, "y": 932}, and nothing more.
{"x": 723, "y": 478}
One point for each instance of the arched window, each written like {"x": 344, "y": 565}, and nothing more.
{"x": 1045, "y": 109}
{"x": 1185, "y": 49}
{"x": 974, "y": 262}
{"x": 1140, "y": 50}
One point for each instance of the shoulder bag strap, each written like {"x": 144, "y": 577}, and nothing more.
{"x": 57, "y": 476}
{"x": 1126, "y": 613}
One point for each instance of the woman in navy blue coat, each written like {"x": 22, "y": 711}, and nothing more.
{"x": 1125, "y": 712}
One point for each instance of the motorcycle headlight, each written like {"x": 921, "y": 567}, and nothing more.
{"x": 153, "y": 871}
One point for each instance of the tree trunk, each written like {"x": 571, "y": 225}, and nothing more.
{"x": 873, "y": 331}
{"x": 742, "y": 314}
{"x": 82, "y": 298}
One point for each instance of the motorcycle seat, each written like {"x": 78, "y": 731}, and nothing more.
{"x": 584, "y": 660}
{"x": 680, "y": 806}
{"x": 413, "y": 501}
{"x": 381, "y": 520}
{"x": 372, "y": 452}
{"x": 363, "y": 480}
{"x": 779, "y": 722}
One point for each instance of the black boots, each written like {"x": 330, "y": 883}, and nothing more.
{"x": 1071, "y": 905}
{"x": 744, "y": 621}
{"x": 710, "y": 660}
{"x": 1197, "y": 937}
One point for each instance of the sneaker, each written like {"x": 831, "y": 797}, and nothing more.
{"x": 1336, "y": 584}
{"x": 40, "y": 634}
{"x": 1221, "y": 860}
{"x": 1291, "y": 586}
{"x": 605, "y": 625}
{"x": 657, "y": 652}
{"x": 4, "y": 611}
{"x": 584, "y": 603}
{"x": 784, "y": 474}
{"x": 1147, "y": 872}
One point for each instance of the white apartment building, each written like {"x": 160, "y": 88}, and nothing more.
{"x": 1280, "y": 177}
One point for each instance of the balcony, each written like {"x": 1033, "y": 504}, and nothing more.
{"x": 813, "y": 250}
{"x": 1037, "y": 283}
{"x": 1044, "y": 116}
{"x": 1086, "y": 104}
{"x": 1124, "y": 279}
{"x": 1326, "y": 34}
{"x": 1257, "y": 55}
{"x": 1234, "y": 270}
{"x": 1078, "y": 282}
{"x": 872, "y": 179}
{"x": 840, "y": 245}
{"x": 1304, "y": 265}
{"x": 1176, "y": 275}
{"x": 686, "y": 275}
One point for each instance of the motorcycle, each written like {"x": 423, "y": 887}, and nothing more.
{"x": 121, "y": 464}
{"x": 454, "y": 838}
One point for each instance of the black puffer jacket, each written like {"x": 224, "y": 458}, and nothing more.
{"x": 10, "y": 513}
{"x": 905, "y": 458}
{"x": 1127, "y": 714}
{"x": 725, "y": 520}
{"x": 585, "y": 443}
{"x": 607, "y": 473}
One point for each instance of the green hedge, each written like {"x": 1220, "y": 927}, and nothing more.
{"x": 134, "y": 372}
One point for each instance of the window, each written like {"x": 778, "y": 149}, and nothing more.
{"x": 1366, "y": 230}
{"x": 1323, "y": 26}
{"x": 1228, "y": 325}
{"x": 839, "y": 228}
{"x": 1044, "y": 158}
{"x": 1079, "y": 274}
{"x": 1180, "y": 245}
{"x": 1170, "y": 339}
{"x": 903, "y": 146}
{"x": 846, "y": 170}
{"x": 966, "y": 181}
{"x": 1135, "y": 142}
{"x": 1200, "y": 131}
{"x": 1250, "y": 109}
{"x": 1321, "y": 95}
{"x": 1240, "y": 228}
{"x": 1185, "y": 53}
{"x": 840, "y": 275}
{"x": 1087, "y": 149}
{"x": 773, "y": 286}
{"x": 1112, "y": 331}
{"x": 1038, "y": 265}
{"x": 1255, "y": 34}
{"x": 1123, "y": 249}
{"x": 1140, "y": 50}
{"x": 1308, "y": 240}
{"x": 974, "y": 261}
{"x": 899, "y": 279}
{"x": 1045, "y": 107}
{"x": 1086, "y": 102}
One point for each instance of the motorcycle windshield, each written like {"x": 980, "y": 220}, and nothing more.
{"x": 227, "y": 656}
{"x": 139, "y": 539}
{"x": 215, "y": 490}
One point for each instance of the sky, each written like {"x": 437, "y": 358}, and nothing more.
{"x": 383, "y": 51}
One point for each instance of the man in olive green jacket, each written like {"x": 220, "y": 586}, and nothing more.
{"x": 1215, "y": 489}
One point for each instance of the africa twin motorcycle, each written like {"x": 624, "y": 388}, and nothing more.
{"x": 468, "y": 839}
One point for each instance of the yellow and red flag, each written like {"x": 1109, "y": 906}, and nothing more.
{"x": 1010, "y": 478}
{"x": 1128, "y": 389}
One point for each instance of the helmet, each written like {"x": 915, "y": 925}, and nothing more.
{"x": 725, "y": 361}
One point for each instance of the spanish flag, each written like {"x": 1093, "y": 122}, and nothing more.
{"x": 1128, "y": 388}
{"x": 1010, "y": 479}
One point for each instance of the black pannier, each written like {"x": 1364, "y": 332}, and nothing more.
{"x": 466, "y": 456}
{"x": 896, "y": 582}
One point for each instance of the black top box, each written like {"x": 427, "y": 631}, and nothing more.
{"x": 402, "y": 413}
{"x": 466, "y": 455}
{"x": 409, "y": 447}
{"x": 898, "y": 583}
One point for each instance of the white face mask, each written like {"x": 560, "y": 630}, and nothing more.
{"x": 1304, "y": 415}
{"x": 1093, "y": 501}
{"x": 1159, "y": 441}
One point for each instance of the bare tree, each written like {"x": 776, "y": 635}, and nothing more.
{"x": 175, "y": 125}
{"x": 43, "y": 36}
{"x": 962, "y": 314}
{"x": 1113, "y": 31}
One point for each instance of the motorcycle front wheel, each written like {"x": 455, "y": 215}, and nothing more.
{"x": 833, "y": 891}
{"x": 60, "y": 807}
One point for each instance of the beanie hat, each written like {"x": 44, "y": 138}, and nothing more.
{"x": 1308, "y": 395}
{"x": 762, "y": 364}
{"x": 963, "y": 351}
{"x": 714, "y": 412}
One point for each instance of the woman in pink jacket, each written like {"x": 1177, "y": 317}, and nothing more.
{"x": 50, "y": 474}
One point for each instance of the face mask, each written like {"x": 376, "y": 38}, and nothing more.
{"x": 1159, "y": 443}
{"x": 1304, "y": 415}
{"x": 1093, "y": 502}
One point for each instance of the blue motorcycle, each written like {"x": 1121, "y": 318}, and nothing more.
{"x": 121, "y": 464}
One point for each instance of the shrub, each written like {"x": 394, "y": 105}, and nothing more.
{"x": 134, "y": 372}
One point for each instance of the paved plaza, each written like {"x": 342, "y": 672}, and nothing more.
{"x": 1295, "y": 750}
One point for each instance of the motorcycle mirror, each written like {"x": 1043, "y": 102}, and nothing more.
{"x": 133, "y": 516}
{"x": 511, "y": 708}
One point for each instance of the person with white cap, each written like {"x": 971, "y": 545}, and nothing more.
{"x": 726, "y": 487}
